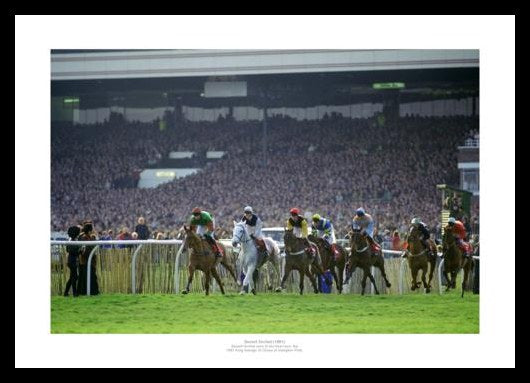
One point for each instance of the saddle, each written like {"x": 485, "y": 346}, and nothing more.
{"x": 215, "y": 247}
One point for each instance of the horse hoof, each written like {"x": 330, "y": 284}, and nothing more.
{"x": 427, "y": 290}
{"x": 253, "y": 291}
{"x": 185, "y": 292}
{"x": 388, "y": 285}
{"x": 242, "y": 293}
{"x": 278, "y": 289}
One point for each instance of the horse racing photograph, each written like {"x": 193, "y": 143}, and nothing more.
{"x": 332, "y": 198}
{"x": 260, "y": 191}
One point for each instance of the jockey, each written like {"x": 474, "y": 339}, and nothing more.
{"x": 459, "y": 231}
{"x": 298, "y": 225}
{"x": 364, "y": 222}
{"x": 323, "y": 228}
{"x": 426, "y": 235}
{"x": 253, "y": 222}
{"x": 254, "y": 225}
{"x": 203, "y": 221}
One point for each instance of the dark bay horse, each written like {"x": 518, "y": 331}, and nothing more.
{"x": 362, "y": 256}
{"x": 454, "y": 261}
{"x": 203, "y": 258}
{"x": 329, "y": 262}
{"x": 420, "y": 258}
{"x": 297, "y": 258}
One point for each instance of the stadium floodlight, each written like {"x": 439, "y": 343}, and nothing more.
{"x": 71, "y": 100}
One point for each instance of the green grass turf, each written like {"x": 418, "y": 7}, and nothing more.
{"x": 266, "y": 313}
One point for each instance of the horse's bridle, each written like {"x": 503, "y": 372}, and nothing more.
{"x": 363, "y": 249}
{"x": 415, "y": 230}
{"x": 240, "y": 238}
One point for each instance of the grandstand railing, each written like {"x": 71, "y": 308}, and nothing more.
{"x": 178, "y": 243}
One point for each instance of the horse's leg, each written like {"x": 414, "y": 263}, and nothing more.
{"x": 207, "y": 277}
{"x": 381, "y": 266}
{"x": 466, "y": 276}
{"x": 363, "y": 281}
{"x": 432, "y": 266}
{"x": 191, "y": 270}
{"x": 424, "y": 279}
{"x": 414, "y": 284}
{"x": 338, "y": 283}
{"x": 454, "y": 274}
{"x": 218, "y": 279}
{"x": 255, "y": 277}
{"x": 246, "y": 282}
{"x": 287, "y": 271}
{"x": 302, "y": 273}
{"x": 230, "y": 270}
{"x": 312, "y": 279}
{"x": 350, "y": 268}
{"x": 276, "y": 268}
{"x": 447, "y": 279}
{"x": 372, "y": 279}
{"x": 250, "y": 282}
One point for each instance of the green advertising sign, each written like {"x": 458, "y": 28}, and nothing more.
{"x": 388, "y": 85}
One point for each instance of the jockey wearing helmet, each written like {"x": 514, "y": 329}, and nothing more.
{"x": 254, "y": 225}
{"x": 459, "y": 231}
{"x": 253, "y": 222}
{"x": 204, "y": 223}
{"x": 364, "y": 222}
{"x": 323, "y": 228}
{"x": 425, "y": 234}
{"x": 297, "y": 223}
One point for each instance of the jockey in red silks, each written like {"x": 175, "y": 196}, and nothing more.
{"x": 459, "y": 231}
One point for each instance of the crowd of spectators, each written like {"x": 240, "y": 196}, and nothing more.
{"x": 330, "y": 166}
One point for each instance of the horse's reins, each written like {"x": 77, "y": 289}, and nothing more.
{"x": 362, "y": 250}
{"x": 240, "y": 239}
{"x": 298, "y": 252}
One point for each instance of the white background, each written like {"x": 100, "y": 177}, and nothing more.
{"x": 36, "y": 35}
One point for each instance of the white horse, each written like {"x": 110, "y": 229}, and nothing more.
{"x": 249, "y": 256}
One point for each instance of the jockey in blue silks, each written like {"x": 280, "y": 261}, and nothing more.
{"x": 323, "y": 228}
{"x": 364, "y": 222}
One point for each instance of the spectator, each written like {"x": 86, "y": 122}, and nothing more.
{"x": 397, "y": 245}
{"x": 105, "y": 236}
{"x": 73, "y": 259}
{"x": 123, "y": 236}
{"x": 353, "y": 150}
{"x": 141, "y": 229}
{"x": 87, "y": 234}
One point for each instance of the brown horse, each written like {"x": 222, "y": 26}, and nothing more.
{"x": 328, "y": 260}
{"x": 420, "y": 258}
{"x": 454, "y": 261}
{"x": 362, "y": 256}
{"x": 297, "y": 258}
{"x": 202, "y": 258}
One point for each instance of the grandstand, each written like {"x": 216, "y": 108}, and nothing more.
{"x": 327, "y": 131}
